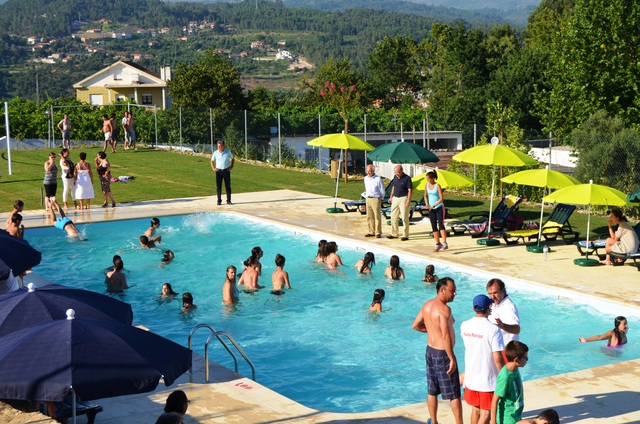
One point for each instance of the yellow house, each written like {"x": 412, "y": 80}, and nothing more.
{"x": 125, "y": 81}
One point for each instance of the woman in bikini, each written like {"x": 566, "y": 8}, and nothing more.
{"x": 364, "y": 265}
{"x": 616, "y": 337}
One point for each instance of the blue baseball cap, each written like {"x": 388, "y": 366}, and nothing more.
{"x": 481, "y": 302}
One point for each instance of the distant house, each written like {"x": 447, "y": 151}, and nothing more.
{"x": 125, "y": 81}
{"x": 257, "y": 45}
{"x": 32, "y": 40}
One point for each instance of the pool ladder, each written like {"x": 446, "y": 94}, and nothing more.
{"x": 218, "y": 335}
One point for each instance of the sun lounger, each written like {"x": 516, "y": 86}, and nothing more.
{"x": 593, "y": 247}
{"x": 557, "y": 224}
{"x": 499, "y": 218}
{"x": 63, "y": 410}
{"x": 360, "y": 205}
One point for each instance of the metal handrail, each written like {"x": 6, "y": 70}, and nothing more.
{"x": 217, "y": 335}
{"x": 191, "y": 333}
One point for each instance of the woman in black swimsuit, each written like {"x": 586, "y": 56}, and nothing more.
{"x": 104, "y": 173}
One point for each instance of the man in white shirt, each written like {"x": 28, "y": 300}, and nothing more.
{"x": 374, "y": 192}
{"x": 222, "y": 163}
{"x": 483, "y": 348}
{"x": 504, "y": 312}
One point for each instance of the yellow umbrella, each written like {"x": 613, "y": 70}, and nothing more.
{"x": 343, "y": 142}
{"x": 588, "y": 194}
{"x": 540, "y": 178}
{"x": 446, "y": 179}
{"x": 494, "y": 155}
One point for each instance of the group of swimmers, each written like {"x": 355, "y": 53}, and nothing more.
{"x": 249, "y": 277}
{"x": 168, "y": 295}
{"x": 327, "y": 254}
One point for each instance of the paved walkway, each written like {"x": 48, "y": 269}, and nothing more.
{"x": 609, "y": 394}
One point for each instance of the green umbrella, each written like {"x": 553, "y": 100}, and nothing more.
{"x": 634, "y": 197}
{"x": 494, "y": 155}
{"x": 446, "y": 179}
{"x": 402, "y": 152}
{"x": 343, "y": 142}
{"x": 540, "y": 178}
{"x": 588, "y": 194}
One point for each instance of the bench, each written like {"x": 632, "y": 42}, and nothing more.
{"x": 63, "y": 410}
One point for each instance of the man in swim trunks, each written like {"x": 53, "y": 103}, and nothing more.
{"x": 435, "y": 319}
{"x": 107, "y": 129}
{"x": 63, "y": 223}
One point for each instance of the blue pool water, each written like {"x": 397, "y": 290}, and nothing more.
{"x": 317, "y": 344}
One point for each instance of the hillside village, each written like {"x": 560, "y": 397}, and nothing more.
{"x": 95, "y": 37}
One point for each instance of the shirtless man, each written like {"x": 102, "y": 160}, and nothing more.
{"x": 65, "y": 127}
{"x": 63, "y": 223}
{"x": 115, "y": 280}
{"x": 249, "y": 277}
{"x": 18, "y": 206}
{"x": 107, "y": 129}
{"x": 16, "y": 228}
{"x": 436, "y": 320}
{"x": 280, "y": 277}
{"x": 229, "y": 289}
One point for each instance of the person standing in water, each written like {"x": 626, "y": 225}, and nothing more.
{"x": 280, "y": 277}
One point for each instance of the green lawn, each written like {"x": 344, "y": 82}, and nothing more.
{"x": 161, "y": 174}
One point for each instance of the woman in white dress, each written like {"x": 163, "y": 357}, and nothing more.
{"x": 83, "y": 179}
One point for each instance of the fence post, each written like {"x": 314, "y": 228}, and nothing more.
{"x": 155, "y": 119}
{"x": 8, "y": 133}
{"x": 364, "y": 116}
{"x": 474, "y": 165}
{"x": 246, "y": 138}
{"x": 211, "y": 127}
{"x": 180, "y": 121}
{"x": 279, "y": 142}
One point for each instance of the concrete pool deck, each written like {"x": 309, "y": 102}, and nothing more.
{"x": 608, "y": 394}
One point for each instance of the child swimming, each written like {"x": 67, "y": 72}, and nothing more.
{"x": 616, "y": 337}
{"x": 376, "y": 304}
{"x": 429, "y": 274}
{"x": 280, "y": 277}
{"x": 364, "y": 265}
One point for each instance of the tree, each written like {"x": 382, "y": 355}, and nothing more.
{"x": 393, "y": 70}
{"x": 594, "y": 66}
{"x": 607, "y": 152}
{"x": 212, "y": 82}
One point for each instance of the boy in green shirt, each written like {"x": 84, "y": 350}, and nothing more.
{"x": 508, "y": 397}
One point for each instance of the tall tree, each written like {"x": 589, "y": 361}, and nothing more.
{"x": 594, "y": 66}
{"x": 212, "y": 82}
{"x": 393, "y": 70}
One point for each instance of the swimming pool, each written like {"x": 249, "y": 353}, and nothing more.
{"x": 316, "y": 344}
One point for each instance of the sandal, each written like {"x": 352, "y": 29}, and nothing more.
{"x": 608, "y": 263}
{"x": 104, "y": 205}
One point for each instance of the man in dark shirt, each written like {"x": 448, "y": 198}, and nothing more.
{"x": 400, "y": 202}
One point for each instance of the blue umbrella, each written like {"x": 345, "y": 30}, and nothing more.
{"x": 17, "y": 253}
{"x": 94, "y": 358}
{"x": 27, "y": 307}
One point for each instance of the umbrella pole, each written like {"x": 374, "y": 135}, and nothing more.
{"x": 335, "y": 208}
{"x": 73, "y": 406}
{"x": 540, "y": 229}
{"x": 493, "y": 182}
{"x": 489, "y": 241}
{"x": 586, "y": 256}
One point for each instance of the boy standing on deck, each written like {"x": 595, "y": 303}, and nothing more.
{"x": 508, "y": 398}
